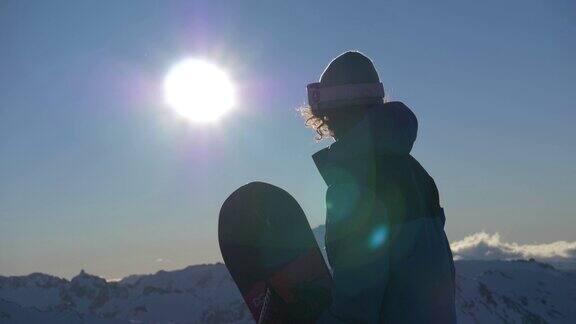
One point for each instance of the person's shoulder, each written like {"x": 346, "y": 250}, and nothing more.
{"x": 421, "y": 172}
{"x": 417, "y": 166}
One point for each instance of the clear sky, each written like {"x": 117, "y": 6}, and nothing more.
{"x": 96, "y": 173}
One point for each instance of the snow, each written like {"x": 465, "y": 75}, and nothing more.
{"x": 196, "y": 294}
{"x": 514, "y": 292}
{"x": 487, "y": 292}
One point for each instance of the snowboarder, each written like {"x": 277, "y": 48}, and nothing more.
{"x": 385, "y": 239}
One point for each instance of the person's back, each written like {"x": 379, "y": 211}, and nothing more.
{"x": 385, "y": 241}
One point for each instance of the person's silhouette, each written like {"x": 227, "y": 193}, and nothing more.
{"x": 385, "y": 237}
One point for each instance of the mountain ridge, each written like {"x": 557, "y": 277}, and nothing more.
{"x": 521, "y": 291}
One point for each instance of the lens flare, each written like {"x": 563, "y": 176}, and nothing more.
{"x": 378, "y": 237}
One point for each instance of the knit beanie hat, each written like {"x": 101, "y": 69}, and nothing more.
{"x": 349, "y": 80}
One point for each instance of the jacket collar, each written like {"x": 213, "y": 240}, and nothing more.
{"x": 388, "y": 129}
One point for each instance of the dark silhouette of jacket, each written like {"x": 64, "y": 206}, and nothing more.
{"x": 385, "y": 237}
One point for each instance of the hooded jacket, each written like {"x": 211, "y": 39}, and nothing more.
{"x": 381, "y": 204}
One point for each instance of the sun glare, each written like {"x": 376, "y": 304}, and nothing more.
{"x": 198, "y": 90}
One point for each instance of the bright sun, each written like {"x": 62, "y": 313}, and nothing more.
{"x": 198, "y": 90}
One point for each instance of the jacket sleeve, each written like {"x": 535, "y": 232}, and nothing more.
{"x": 355, "y": 242}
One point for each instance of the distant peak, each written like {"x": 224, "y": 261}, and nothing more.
{"x": 86, "y": 278}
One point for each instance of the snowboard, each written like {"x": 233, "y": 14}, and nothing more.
{"x": 270, "y": 251}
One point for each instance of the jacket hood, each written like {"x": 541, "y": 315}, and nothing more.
{"x": 388, "y": 129}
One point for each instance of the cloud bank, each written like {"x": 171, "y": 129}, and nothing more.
{"x": 485, "y": 246}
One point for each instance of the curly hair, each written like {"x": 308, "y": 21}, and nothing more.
{"x": 316, "y": 122}
{"x": 328, "y": 124}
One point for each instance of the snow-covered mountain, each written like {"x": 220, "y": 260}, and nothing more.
{"x": 487, "y": 292}
{"x": 514, "y": 292}
{"x": 196, "y": 294}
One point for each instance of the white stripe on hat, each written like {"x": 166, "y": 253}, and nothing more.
{"x": 318, "y": 94}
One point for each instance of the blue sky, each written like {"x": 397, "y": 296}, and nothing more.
{"x": 97, "y": 173}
